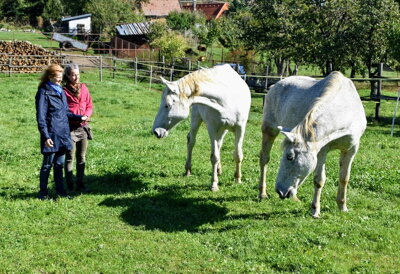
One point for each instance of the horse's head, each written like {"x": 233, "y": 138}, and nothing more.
{"x": 173, "y": 108}
{"x": 298, "y": 161}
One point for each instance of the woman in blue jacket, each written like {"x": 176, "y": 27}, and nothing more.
{"x": 55, "y": 139}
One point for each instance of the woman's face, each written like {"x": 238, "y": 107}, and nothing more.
{"x": 56, "y": 79}
{"x": 74, "y": 76}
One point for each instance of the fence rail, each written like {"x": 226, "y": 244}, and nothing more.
{"x": 148, "y": 71}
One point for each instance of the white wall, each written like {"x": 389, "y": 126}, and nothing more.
{"x": 72, "y": 25}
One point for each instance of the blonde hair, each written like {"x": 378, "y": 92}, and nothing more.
{"x": 50, "y": 72}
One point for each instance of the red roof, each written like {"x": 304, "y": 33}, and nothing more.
{"x": 210, "y": 10}
{"x": 160, "y": 8}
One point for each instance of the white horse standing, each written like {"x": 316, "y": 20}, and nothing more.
{"x": 220, "y": 98}
{"x": 315, "y": 117}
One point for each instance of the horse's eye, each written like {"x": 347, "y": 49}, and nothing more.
{"x": 166, "y": 106}
{"x": 290, "y": 157}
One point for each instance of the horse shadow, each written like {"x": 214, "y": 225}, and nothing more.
{"x": 168, "y": 211}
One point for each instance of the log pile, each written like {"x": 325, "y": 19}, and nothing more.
{"x": 23, "y": 57}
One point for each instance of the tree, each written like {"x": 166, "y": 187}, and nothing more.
{"x": 170, "y": 44}
{"x": 274, "y": 28}
{"x": 106, "y": 14}
{"x": 185, "y": 20}
{"x": 375, "y": 24}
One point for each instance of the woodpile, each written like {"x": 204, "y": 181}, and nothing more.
{"x": 24, "y": 57}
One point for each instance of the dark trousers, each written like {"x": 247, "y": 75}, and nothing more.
{"x": 49, "y": 159}
{"x": 79, "y": 150}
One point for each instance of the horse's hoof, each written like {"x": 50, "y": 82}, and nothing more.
{"x": 188, "y": 173}
{"x": 238, "y": 180}
{"x": 262, "y": 196}
{"x": 214, "y": 188}
{"x": 294, "y": 198}
{"x": 315, "y": 216}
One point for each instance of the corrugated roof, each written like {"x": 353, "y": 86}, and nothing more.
{"x": 134, "y": 28}
{"x": 76, "y": 17}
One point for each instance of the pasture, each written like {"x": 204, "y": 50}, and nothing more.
{"x": 144, "y": 216}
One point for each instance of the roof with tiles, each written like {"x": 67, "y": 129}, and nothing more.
{"x": 160, "y": 8}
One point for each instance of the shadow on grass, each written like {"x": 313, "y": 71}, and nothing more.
{"x": 111, "y": 183}
{"x": 123, "y": 181}
{"x": 168, "y": 212}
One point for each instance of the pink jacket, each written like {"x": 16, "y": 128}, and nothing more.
{"x": 81, "y": 106}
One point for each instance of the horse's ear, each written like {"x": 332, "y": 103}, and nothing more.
{"x": 171, "y": 86}
{"x": 165, "y": 82}
{"x": 288, "y": 134}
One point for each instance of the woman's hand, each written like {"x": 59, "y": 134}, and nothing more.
{"x": 49, "y": 143}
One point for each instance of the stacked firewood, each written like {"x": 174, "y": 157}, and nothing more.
{"x": 22, "y": 56}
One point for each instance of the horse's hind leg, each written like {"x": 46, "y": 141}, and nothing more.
{"x": 220, "y": 142}
{"x": 195, "y": 122}
{"x": 268, "y": 138}
{"x": 346, "y": 159}
{"x": 215, "y": 158}
{"x": 238, "y": 154}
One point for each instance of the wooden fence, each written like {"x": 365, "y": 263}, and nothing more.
{"x": 150, "y": 71}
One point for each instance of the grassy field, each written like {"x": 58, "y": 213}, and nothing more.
{"x": 144, "y": 216}
{"x": 36, "y": 38}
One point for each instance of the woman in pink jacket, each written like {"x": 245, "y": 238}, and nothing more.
{"x": 79, "y": 102}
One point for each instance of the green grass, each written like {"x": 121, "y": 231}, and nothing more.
{"x": 145, "y": 216}
{"x": 36, "y": 38}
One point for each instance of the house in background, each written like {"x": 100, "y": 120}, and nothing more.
{"x": 130, "y": 38}
{"x": 135, "y": 33}
{"x": 76, "y": 24}
{"x": 211, "y": 9}
{"x": 156, "y": 9}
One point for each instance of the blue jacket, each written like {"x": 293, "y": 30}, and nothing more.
{"x": 52, "y": 117}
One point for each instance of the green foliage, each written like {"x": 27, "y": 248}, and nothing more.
{"x": 158, "y": 29}
{"x": 207, "y": 33}
{"x": 171, "y": 44}
{"x": 106, "y": 14}
{"x": 185, "y": 20}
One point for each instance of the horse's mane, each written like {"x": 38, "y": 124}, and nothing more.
{"x": 306, "y": 127}
{"x": 192, "y": 81}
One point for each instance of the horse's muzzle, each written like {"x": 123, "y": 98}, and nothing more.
{"x": 291, "y": 192}
{"x": 160, "y": 132}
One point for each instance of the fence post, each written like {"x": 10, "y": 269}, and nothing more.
{"x": 171, "y": 72}
{"x": 114, "y": 67}
{"x": 378, "y": 92}
{"x": 101, "y": 68}
{"x": 151, "y": 75}
{"x": 136, "y": 70}
{"x": 266, "y": 78}
{"x": 9, "y": 66}
{"x": 163, "y": 63}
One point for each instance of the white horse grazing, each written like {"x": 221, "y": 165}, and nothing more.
{"x": 315, "y": 117}
{"x": 220, "y": 98}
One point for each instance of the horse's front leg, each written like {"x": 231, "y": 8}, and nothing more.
{"x": 268, "y": 138}
{"x": 346, "y": 159}
{"x": 195, "y": 122}
{"x": 319, "y": 182}
{"x": 238, "y": 154}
